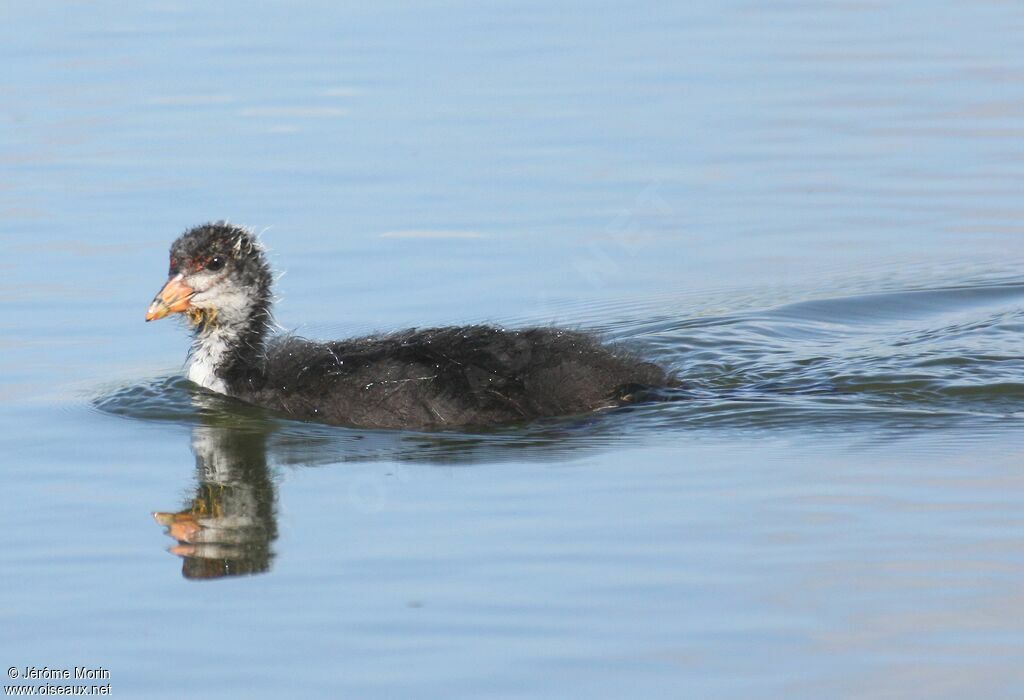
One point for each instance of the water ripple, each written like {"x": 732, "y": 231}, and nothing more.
{"x": 892, "y": 363}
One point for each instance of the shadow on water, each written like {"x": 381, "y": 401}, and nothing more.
{"x": 870, "y": 368}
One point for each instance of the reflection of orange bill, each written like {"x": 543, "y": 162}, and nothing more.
{"x": 181, "y": 526}
{"x": 172, "y": 299}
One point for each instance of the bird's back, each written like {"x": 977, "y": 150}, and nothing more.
{"x": 446, "y": 377}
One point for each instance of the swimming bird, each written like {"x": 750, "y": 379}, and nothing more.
{"x": 421, "y": 379}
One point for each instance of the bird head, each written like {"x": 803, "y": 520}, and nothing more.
{"x": 217, "y": 275}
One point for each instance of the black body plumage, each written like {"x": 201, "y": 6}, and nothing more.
{"x": 427, "y": 379}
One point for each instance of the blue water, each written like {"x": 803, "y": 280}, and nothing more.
{"x": 812, "y": 212}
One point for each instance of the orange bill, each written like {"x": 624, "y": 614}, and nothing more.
{"x": 172, "y": 299}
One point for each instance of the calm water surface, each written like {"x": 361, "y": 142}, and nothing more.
{"x": 811, "y": 211}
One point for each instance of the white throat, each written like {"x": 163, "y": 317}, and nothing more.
{"x": 211, "y": 348}
{"x": 209, "y": 351}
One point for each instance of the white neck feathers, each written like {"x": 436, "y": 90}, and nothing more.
{"x": 209, "y": 352}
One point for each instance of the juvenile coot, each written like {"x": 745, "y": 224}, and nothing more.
{"x": 434, "y": 378}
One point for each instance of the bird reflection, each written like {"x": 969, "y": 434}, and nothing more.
{"x": 230, "y": 525}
